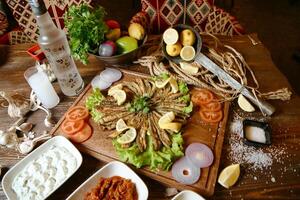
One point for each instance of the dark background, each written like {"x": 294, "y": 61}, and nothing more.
{"x": 277, "y": 23}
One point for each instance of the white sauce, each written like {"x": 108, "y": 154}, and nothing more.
{"x": 42, "y": 175}
{"x": 255, "y": 134}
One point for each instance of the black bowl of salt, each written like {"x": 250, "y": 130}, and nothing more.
{"x": 256, "y": 133}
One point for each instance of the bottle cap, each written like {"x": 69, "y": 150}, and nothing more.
{"x": 38, "y": 7}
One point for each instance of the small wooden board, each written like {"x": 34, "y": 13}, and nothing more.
{"x": 100, "y": 146}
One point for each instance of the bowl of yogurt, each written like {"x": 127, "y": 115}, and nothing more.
{"x": 43, "y": 171}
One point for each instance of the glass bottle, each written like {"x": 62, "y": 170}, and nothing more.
{"x": 54, "y": 43}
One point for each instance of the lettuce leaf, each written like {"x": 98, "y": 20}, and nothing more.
{"x": 156, "y": 160}
{"x": 188, "y": 109}
{"x": 92, "y": 101}
{"x": 183, "y": 88}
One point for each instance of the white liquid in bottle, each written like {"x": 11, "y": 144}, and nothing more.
{"x": 54, "y": 44}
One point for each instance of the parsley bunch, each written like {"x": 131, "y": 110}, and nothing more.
{"x": 86, "y": 29}
{"x": 140, "y": 103}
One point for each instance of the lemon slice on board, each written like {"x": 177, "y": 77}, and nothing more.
{"x": 173, "y": 126}
{"x": 128, "y": 136}
{"x": 173, "y": 84}
{"x": 189, "y": 68}
{"x": 245, "y": 104}
{"x": 170, "y": 36}
{"x": 120, "y": 96}
{"x": 229, "y": 175}
{"x": 187, "y": 53}
{"x": 166, "y": 118}
{"x": 113, "y": 88}
{"x": 121, "y": 126}
{"x": 161, "y": 83}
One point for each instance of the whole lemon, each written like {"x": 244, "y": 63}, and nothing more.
{"x": 187, "y": 37}
{"x": 136, "y": 31}
{"x": 173, "y": 49}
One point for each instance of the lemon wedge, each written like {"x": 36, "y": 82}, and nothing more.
{"x": 173, "y": 84}
{"x": 245, "y": 104}
{"x": 229, "y": 175}
{"x": 128, "y": 136}
{"x": 187, "y": 53}
{"x": 161, "y": 83}
{"x": 121, "y": 126}
{"x": 170, "y": 36}
{"x": 173, "y": 126}
{"x": 113, "y": 88}
{"x": 119, "y": 96}
{"x": 166, "y": 118}
{"x": 189, "y": 68}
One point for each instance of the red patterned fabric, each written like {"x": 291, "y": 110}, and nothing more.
{"x": 201, "y": 14}
{"x": 23, "y": 14}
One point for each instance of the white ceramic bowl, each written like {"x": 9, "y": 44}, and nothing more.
{"x": 114, "y": 168}
{"x": 59, "y": 141}
{"x": 188, "y": 195}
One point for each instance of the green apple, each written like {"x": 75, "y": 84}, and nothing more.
{"x": 126, "y": 44}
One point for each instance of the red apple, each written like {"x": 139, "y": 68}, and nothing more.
{"x": 112, "y": 24}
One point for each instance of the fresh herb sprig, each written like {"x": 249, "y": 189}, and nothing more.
{"x": 86, "y": 29}
{"x": 140, "y": 103}
{"x": 161, "y": 77}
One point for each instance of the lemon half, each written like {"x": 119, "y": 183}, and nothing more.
{"x": 187, "y": 53}
{"x": 170, "y": 36}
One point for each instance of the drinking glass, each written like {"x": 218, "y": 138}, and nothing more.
{"x": 40, "y": 84}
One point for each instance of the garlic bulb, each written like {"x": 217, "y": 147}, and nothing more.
{"x": 4, "y": 138}
{"x": 18, "y": 106}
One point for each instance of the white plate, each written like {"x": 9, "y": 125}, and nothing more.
{"x": 114, "y": 168}
{"x": 188, "y": 195}
{"x": 14, "y": 171}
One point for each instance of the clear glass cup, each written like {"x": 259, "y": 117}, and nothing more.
{"x": 40, "y": 84}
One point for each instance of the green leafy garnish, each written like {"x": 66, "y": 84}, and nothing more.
{"x": 162, "y": 76}
{"x": 185, "y": 98}
{"x": 183, "y": 88}
{"x": 92, "y": 101}
{"x": 162, "y": 159}
{"x": 140, "y": 103}
{"x": 86, "y": 28}
{"x": 189, "y": 108}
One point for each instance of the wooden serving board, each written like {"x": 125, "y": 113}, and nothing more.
{"x": 100, "y": 146}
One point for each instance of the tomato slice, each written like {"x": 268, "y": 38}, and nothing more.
{"x": 71, "y": 127}
{"x": 202, "y": 97}
{"x": 83, "y": 135}
{"x": 77, "y": 113}
{"x": 211, "y": 116}
{"x": 212, "y": 106}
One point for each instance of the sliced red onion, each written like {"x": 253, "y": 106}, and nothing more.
{"x": 185, "y": 172}
{"x": 199, "y": 154}
{"x": 97, "y": 82}
{"x": 111, "y": 75}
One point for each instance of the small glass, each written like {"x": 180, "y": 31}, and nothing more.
{"x": 40, "y": 84}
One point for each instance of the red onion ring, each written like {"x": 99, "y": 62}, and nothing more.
{"x": 199, "y": 154}
{"x": 185, "y": 172}
{"x": 111, "y": 75}
{"x": 97, "y": 82}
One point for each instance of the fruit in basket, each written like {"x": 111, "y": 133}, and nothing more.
{"x": 187, "y": 37}
{"x": 173, "y": 49}
{"x": 113, "y": 34}
{"x": 187, "y": 53}
{"x": 136, "y": 31}
{"x": 107, "y": 49}
{"x": 126, "y": 44}
{"x": 170, "y": 36}
{"x": 112, "y": 24}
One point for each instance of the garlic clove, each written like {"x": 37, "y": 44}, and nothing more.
{"x": 4, "y": 139}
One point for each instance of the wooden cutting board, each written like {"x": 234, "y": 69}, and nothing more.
{"x": 100, "y": 146}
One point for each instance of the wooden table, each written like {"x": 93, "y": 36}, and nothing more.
{"x": 285, "y": 124}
